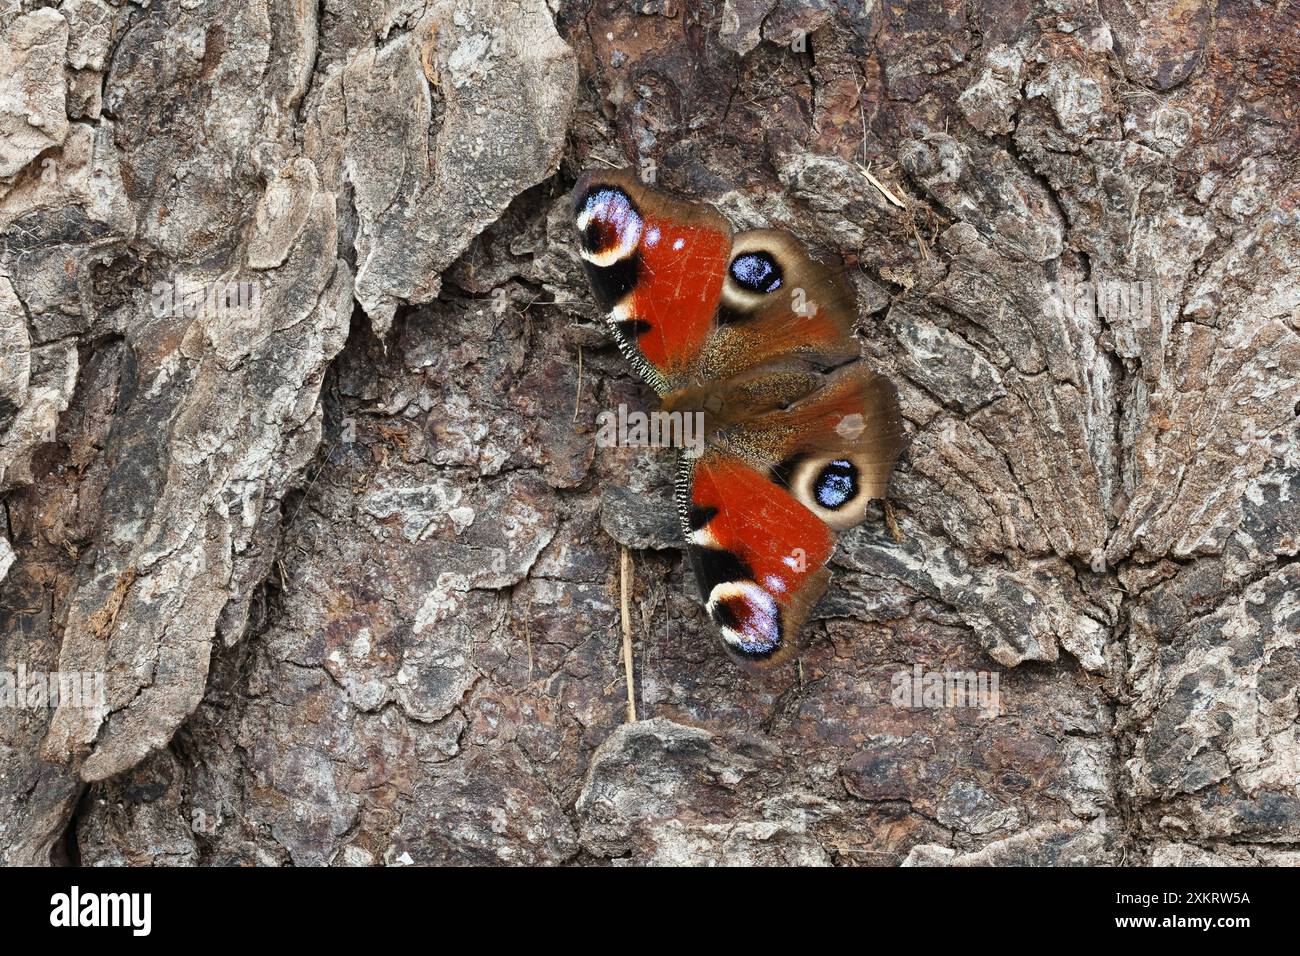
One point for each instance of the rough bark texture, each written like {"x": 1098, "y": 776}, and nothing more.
{"x": 349, "y": 560}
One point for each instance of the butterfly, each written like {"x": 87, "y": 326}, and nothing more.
{"x": 751, "y": 334}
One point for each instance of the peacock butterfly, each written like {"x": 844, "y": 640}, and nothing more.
{"x": 753, "y": 334}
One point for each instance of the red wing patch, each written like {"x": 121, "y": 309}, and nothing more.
{"x": 656, "y": 266}
{"x": 758, "y": 555}
{"x": 677, "y": 292}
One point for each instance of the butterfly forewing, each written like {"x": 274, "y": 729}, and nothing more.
{"x": 657, "y": 267}
{"x": 758, "y": 555}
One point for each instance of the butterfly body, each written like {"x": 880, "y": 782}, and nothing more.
{"x": 754, "y": 337}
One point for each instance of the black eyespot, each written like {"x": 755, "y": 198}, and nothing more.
{"x": 836, "y": 484}
{"x": 754, "y": 621}
{"x": 613, "y": 220}
{"x": 724, "y": 616}
{"x": 756, "y": 271}
{"x": 595, "y": 236}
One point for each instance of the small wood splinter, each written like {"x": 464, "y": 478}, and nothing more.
{"x": 625, "y": 587}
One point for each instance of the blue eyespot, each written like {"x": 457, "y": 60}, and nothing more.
{"x": 836, "y": 485}
{"x": 756, "y": 271}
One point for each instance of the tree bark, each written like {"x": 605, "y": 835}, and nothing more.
{"x": 300, "y": 384}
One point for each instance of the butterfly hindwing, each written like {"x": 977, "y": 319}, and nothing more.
{"x": 853, "y": 416}
{"x": 779, "y": 305}
{"x": 765, "y": 502}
